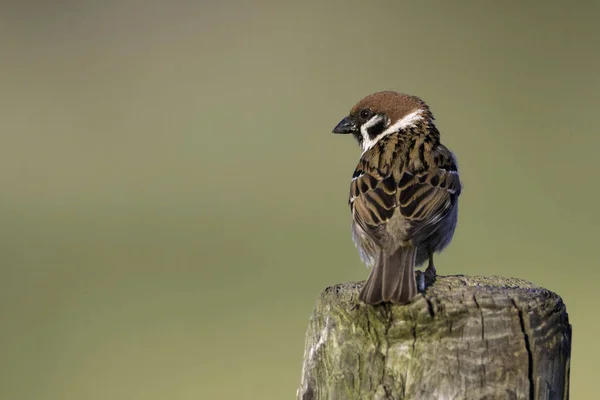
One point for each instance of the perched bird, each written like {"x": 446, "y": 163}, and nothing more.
{"x": 403, "y": 194}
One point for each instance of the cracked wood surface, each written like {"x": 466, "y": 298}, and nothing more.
{"x": 464, "y": 338}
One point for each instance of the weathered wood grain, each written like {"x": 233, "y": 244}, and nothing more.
{"x": 464, "y": 338}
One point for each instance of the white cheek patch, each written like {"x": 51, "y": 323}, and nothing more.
{"x": 407, "y": 121}
{"x": 367, "y": 142}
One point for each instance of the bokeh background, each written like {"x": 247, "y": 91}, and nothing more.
{"x": 172, "y": 200}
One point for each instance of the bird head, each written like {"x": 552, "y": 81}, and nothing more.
{"x": 381, "y": 114}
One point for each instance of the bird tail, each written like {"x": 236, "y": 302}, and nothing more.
{"x": 392, "y": 279}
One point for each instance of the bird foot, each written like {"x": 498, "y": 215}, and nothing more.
{"x": 430, "y": 274}
{"x": 420, "y": 278}
{"x": 425, "y": 278}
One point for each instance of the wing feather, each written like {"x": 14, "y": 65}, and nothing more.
{"x": 420, "y": 198}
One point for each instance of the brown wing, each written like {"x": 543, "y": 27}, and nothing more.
{"x": 422, "y": 197}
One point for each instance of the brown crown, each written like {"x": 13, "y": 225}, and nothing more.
{"x": 393, "y": 104}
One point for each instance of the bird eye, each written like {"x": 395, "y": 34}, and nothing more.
{"x": 365, "y": 113}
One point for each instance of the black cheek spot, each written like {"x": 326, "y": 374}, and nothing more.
{"x": 376, "y": 129}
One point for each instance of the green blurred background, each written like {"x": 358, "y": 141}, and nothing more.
{"x": 173, "y": 200}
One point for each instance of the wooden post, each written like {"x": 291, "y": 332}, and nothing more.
{"x": 464, "y": 338}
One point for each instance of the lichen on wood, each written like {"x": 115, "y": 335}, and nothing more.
{"x": 463, "y": 338}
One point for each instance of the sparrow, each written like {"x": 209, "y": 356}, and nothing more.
{"x": 403, "y": 194}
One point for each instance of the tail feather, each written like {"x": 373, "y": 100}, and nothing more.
{"x": 392, "y": 278}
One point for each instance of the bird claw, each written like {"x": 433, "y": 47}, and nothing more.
{"x": 430, "y": 273}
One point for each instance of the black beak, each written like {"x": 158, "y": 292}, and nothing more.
{"x": 346, "y": 125}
